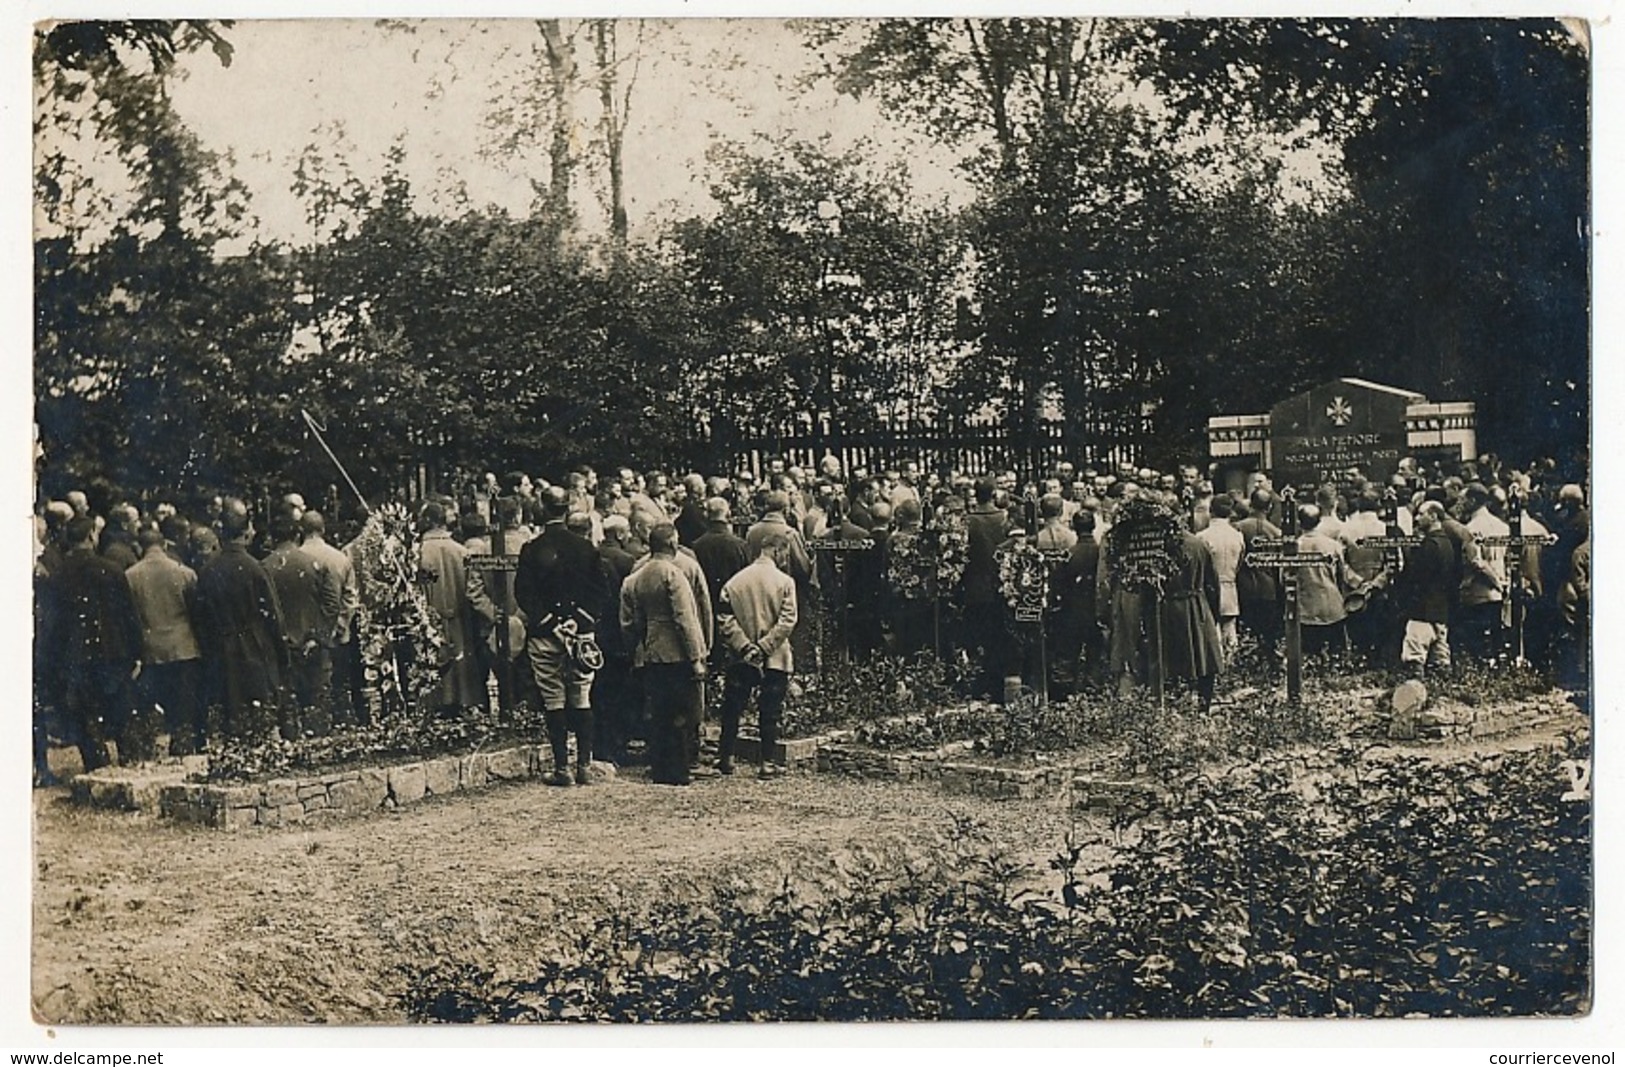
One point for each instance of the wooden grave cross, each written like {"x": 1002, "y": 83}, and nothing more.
{"x": 1282, "y": 554}
{"x": 1515, "y": 544}
{"x": 501, "y": 565}
{"x": 841, "y": 549}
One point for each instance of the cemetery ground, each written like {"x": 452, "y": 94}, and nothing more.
{"x": 1187, "y": 870}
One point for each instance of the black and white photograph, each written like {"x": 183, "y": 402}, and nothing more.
{"x": 646, "y": 519}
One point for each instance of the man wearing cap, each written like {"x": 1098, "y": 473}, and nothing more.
{"x": 799, "y": 565}
{"x": 661, "y": 625}
{"x": 559, "y": 583}
{"x": 757, "y": 614}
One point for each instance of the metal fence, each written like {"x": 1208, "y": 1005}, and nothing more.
{"x": 975, "y": 448}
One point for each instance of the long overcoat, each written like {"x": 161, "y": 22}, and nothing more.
{"x": 447, "y": 594}
{"x": 241, "y": 630}
{"x": 1190, "y": 636}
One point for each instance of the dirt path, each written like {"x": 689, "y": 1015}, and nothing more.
{"x": 140, "y": 921}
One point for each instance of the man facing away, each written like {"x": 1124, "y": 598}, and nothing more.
{"x": 1428, "y": 586}
{"x": 756, "y": 616}
{"x": 308, "y": 594}
{"x": 165, "y": 595}
{"x": 661, "y": 625}
{"x": 346, "y": 654}
{"x": 1225, "y": 544}
{"x": 559, "y": 583}
{"x": 1258, "y": 589}
{"x": 240, "y": 622}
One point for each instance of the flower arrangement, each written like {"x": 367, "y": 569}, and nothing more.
{"x": 403, "y": 641}
{"x": 910, "y": 571}
{"x": 953, "y": 549}
{"x": 1023, "y": 575}
{"x": 1145, "y": 546}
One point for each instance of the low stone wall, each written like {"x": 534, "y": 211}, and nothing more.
{"x": 133, "y": 788}
{"x": 1106, "y": 794}
{"x": 859, "y": 761}
{"x": 286, "y": 801}
{"x": 798, "y": 753}
{"x": 947, "y": 767}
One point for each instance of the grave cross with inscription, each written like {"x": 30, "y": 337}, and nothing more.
{"x": 502, "y": 566}
{"x": 840, "y": 551}
{"x": 1282, "y": 554}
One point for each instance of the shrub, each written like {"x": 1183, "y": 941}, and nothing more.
{"x": 399, "y": 736}
{"x": 1343, "y": 886}
{"x": 850, "y": 692}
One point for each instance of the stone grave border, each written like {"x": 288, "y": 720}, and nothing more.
{"x": 290, "y": 800}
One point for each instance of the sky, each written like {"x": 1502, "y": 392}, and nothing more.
{"x": 352, "y": 87}
{"x": 349, "y": 89}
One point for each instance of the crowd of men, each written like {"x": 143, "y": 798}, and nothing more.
{"x": 629, "y": 589}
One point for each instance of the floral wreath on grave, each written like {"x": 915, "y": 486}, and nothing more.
{"x": 1145, "y": 545}
{"x": 909, "y": 566}
{"x": 953, "y": 549}
{"x": 1023, "y": 575}
{"x": 395, "y": 616}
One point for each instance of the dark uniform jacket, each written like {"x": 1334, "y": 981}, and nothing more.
{"x": 1262, "y": 583}
{"x": 560, "y": 576}
{"x": 307, "y": 593}
{"x": 1431, "y": 578}
{"x": 91, "y": 616}
{"x": 986, "y": 528}
{"x": 722, "y": 554}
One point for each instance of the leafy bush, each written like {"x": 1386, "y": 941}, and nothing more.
{"x": 849, "y": 692}
{"x": 1351, "y": 886}
{"x": 399, "y": 736}
{"x": 1145, "y": 738}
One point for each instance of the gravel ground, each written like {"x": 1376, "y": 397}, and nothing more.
{"x": 137, "y": 920}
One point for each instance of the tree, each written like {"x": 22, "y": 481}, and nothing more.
{"x": 615, "y": 108}
{"x": 154, "y": 354}
{"x": 1464, "y": 144}
{"x": 817, "y": 291}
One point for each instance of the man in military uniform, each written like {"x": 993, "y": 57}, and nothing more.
{"x": 661, "y": 624}
{"x": 559, "y": 584}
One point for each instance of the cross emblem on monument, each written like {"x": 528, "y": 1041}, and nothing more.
{"x": 1339, "y": 411}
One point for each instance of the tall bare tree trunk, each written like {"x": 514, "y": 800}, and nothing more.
{"x": 606, "y": 52}
{"x": 559, "y": 48}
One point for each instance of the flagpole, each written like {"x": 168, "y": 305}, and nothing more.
{"x": 317, "y": 433}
